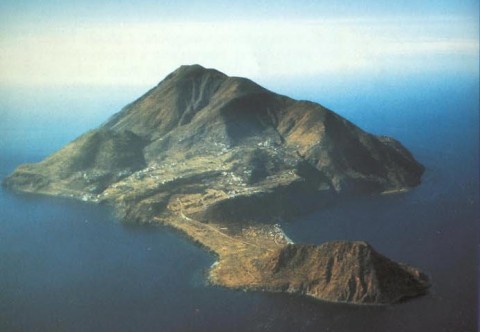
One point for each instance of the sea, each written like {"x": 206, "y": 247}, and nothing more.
{"x": 71, "y": 266}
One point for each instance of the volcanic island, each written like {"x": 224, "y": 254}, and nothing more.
{"x": 222, "y": 160}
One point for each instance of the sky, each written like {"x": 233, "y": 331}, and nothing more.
{"x": 54, "y": 42}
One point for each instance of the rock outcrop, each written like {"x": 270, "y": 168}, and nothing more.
{"x": 342, "y": 271}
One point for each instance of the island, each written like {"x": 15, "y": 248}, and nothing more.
{"x": 223, "y": 160}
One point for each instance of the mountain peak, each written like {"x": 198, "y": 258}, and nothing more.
{"x": 194, "y": 67}
{"x": 192, "y": 71}
{"x": 198, "y": 72}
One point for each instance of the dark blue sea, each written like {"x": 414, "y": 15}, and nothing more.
{"x": 71, "y": 266}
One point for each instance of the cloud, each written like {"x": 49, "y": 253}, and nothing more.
{"x": 141, "y": 53}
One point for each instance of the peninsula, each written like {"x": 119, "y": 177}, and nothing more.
{"x": 222, "y": 159}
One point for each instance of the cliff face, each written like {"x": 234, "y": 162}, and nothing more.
{"x": 203, "y": 147}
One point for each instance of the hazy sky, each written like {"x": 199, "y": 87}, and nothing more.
{"x": 54, "y": 42}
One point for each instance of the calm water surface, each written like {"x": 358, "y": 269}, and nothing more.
{"x": 70, "y": 266}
